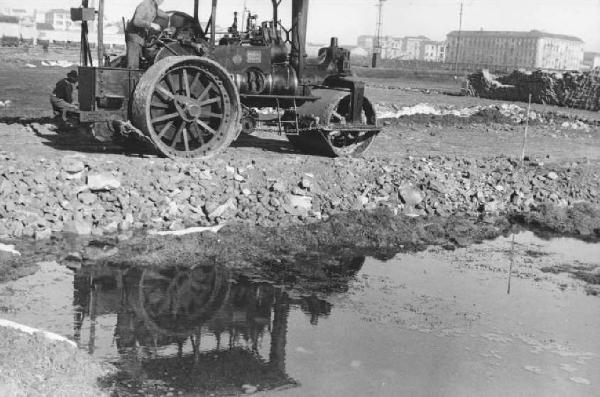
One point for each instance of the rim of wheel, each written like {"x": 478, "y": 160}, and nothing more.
{"x": 190, "y": 107}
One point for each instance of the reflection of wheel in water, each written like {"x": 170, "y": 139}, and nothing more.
{"x": 177, "y": 301}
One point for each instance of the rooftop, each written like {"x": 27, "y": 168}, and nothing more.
{"x": 58, "y": 11}
{"x": 8, "y": 19}
{"x": 421, "y": 37}
{"x": 530, "y": 34}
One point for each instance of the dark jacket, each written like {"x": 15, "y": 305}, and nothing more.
{"x": 145, "y": 13}
{"x": 64, "y": 90}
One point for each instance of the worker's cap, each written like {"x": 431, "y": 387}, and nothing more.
{"x": 72, "y": 74}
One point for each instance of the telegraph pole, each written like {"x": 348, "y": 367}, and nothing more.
{"x": 377, "y": 42}
{"x": 458, "y": 37}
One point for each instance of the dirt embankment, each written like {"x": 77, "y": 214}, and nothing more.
{"x": 33, "y": 366}
{"x": 378, "y": 233}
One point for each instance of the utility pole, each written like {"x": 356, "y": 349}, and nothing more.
{"x": 100, "y": 31}
{"x": 377, "y": 41}
{"x": 458, "y": 37}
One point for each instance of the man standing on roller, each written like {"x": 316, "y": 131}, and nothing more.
{"x": 139, "y": 27}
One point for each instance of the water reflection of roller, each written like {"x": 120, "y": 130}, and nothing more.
{"x": 198, "y": 329}
{"x": 174, "y": 301}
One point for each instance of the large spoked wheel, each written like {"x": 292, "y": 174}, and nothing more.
{"x": 188, "y": 106}
{"x": 335, "y": 138}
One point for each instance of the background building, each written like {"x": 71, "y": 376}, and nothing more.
{"x": 365, "y": 42}
{"x": 406, "y": 48}
{"x": 61, "y": 20}
{"x": 15, "y": 12}
{"x": 433, "y": 51}
{"x": 412, "y": 46}
{"x": 18, "y": 27}
{"x": 528, "y": 50}
{"x": 591, "y": 60}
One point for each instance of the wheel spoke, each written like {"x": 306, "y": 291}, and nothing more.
{"x": 206, "y": 91}
{"x": 185, "y": 139}
{"x": 159, "y": 105}
{"x": 166, "y": 117}
{"x": 163, "y": 91}
{"x": 195, "y": 131}
{"x": 210, "y": 101}
{"x": 169, "y": 82}
{"x": 178, "y": 134}
{"x": 165, "y": 129}
{"x": 206, "y": 127}
{"x": 205, "y": 115}
{"x": 186, "y": 83}
{"x": 195, "y": 81}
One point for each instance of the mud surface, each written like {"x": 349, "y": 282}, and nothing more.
{"x": 435, "y": 322}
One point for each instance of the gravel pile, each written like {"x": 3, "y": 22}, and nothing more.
{"x": 89, "y": 196}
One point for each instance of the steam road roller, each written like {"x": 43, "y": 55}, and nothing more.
{"x": 198, "y": 88}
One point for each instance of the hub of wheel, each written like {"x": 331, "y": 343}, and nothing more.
{"x": 188, "y": 108}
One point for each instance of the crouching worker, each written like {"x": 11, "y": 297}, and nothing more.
{"x": 62, "y": 96}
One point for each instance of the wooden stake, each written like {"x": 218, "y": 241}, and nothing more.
{"x": 512, "y": 259}
{"x": 526, "y": 128}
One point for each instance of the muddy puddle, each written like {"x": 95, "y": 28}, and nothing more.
{"x": 437, "y": 322}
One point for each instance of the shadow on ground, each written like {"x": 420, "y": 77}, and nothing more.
{"x": 70, "y": 137}
{"x": 265, "y": 144}
{"x": 66, "y": 136}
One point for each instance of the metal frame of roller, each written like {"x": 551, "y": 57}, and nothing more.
{"x": 194, "y": 92}
{"x": 326, "y": 126}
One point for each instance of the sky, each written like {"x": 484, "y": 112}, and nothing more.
{"x": 347, "y": 19}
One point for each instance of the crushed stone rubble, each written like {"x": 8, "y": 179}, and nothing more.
{"x": 91, "y": 196}
{"x": 579, "y": 90}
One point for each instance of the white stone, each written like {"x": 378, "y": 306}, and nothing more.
{"x": 102, "y": 182}
{"x": 9, "y": 248}
{"x": 302, "y": 202}
{"x": 78, "y": 227}
{"x": 223, "y": 208}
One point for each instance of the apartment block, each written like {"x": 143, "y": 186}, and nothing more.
{"x": 527, "y": 50}
{"x": 406, "y": 48}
